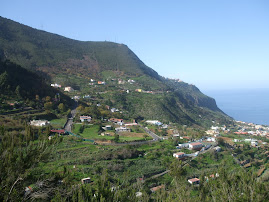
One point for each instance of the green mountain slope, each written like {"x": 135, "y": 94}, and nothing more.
{"x": 19, "y": 83}
{"x": 62, "y": 59}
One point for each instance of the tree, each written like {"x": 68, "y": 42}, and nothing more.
{"x": 116, "y": 137}
{"x": 176, "y": 168}
{"x": 61, "y": 107}
{"x": 47, "y": 99}
{"x": 3, "y": 80}
{"x": 18, "y": 91}
{"x": 48, "y": 106}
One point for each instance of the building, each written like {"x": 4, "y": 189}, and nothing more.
{"x": 154, "y": 189}
{"x": 185, "y": 145}
{"x": 101, "y": 83}
{"x": 179, "y": 155}
{"x": 55, "y": 85}
{"x": 217, "y": 149}
{"x": 122, "y": 129}
{"x": 68, "y": 89}
{"x": 154, "y": 122}
{"x": 86, "y": 180}
{"x": 195, "y": 146}
{"x": 107, "y": 127}
{"x": 117, "y": 121}
{"x": 194, "y": 181}
{"x": 85, "y": 118}
{"x": 211, "y": 139}
{"x": 39, "y": 123}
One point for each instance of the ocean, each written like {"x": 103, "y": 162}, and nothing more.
{"x": 251, "y": 105}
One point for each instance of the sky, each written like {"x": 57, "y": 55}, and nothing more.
{"x": 213, "y": 44}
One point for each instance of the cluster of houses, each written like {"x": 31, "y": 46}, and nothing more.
{"x": 122, "y": 125}
{"x": 191, "y": 146}
{"x": 93, "y": 82}
{"x": 251, "y": 141}
{"x": 148, "y": 91}
{"x": 121, "y": 81}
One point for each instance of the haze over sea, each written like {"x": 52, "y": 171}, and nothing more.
{"x": 250, "y": 105}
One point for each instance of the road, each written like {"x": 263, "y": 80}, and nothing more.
{"x": 153, "y": 135}
{"x": 69, "y": 123}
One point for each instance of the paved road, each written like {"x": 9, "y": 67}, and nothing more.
{"x": 153, "y": 135}
{"x": 127, "y": 143}
{"x": 69, "y": 123}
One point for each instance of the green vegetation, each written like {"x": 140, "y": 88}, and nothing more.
{"x": 74, "y": 63}
{"x": 58, "y": 123}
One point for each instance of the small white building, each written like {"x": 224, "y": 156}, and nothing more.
{"x": 108, "y": 127}
{"x": 55, "y": 85}
{"x": 211, "y": 139}
{"x": 39, "y": 123}
{"x": 122, "y": 129}
{"x": 184, "y": 145}
{"x": 179, "y": 155}
{"x": 237, "y": 140}
{"x": 85, "y": 118}
{"x": 154, "y": 122}
{"x": 86, "y": 180}
{"x": 217, "y": 149}
{"x": 254, "y": 143}
{"x": 68, "y": 89}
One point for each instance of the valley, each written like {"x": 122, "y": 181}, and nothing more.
{"x": 89, "y": 121}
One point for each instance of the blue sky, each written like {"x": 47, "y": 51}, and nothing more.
{"x": 212, "y": 44}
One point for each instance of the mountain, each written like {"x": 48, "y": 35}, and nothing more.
{"x": 72, "y": 62}
{"x": 19, "y": 83}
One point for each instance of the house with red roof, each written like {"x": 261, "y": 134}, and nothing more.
{"x": 179, "y": 155}
{"x": 194, "y": 181}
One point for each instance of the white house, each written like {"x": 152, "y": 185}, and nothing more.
{"x": 195, "y": 146}
{"x": 185, "y": 145}
{"x": 217, "y": 149}
{"x": 179, "y": 155}
{"x": 85, "y": 118}
{"x": 122, "y": 129}
{"x": 55, "y": 85}
{"x": 237, "y": 140}
{"x": 154, "y": 122}
{"x": 86, "y": 180}
{"x": 211, "y": 139}
{"x": 39, "y": 123}
{"x": 68, "y": 89}
{"x": 254, "y": 143}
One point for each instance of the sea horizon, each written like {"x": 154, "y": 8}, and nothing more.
{"x": 248, "y": 105}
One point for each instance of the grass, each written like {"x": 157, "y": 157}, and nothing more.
{"x": 91, "y": 132}
{"x": 58, "y": 123}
